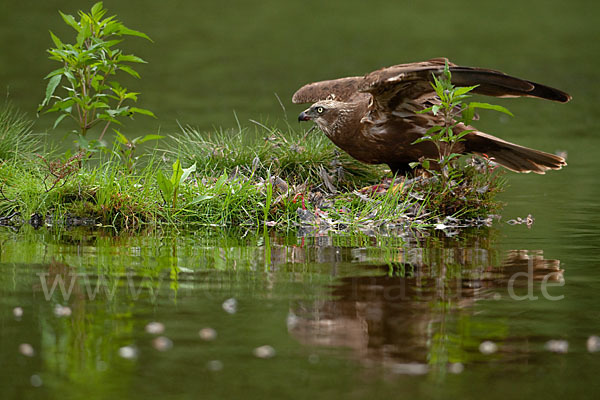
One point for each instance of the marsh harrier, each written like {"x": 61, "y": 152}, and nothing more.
{"x": 374, "y": 117}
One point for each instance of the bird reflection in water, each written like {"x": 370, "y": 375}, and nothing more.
{"x": 414, "y": 317}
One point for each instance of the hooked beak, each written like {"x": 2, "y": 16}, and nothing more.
{"x": 304, "y": 117}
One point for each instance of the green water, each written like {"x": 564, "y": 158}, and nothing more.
{"x": 347, "y": 317}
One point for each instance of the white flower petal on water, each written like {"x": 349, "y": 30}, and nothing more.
{"x": 488, "y": 347}
{"x": 593, "y": 344}
{"x": 557, "y": 346}
{"x": 456, "y": 368}
{"x": 230, "y": 305}
{"x": 62, "y": 311}
{"x": 155, "y": 328}
{"x": 162, "y": 343}
{"x": 207, "y": 334}
{"x": 128, "y": 352}
{"x": 265, "y": 351}
{"x": 18, "y": 312}
{"x": 26, "y": 349}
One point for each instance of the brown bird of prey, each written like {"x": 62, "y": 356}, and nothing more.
{"x": 374, "y": 117}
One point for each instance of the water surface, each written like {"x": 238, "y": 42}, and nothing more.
{"x": 346, "y": 316}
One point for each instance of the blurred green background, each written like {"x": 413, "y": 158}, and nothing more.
{"x": 211, "y": 58}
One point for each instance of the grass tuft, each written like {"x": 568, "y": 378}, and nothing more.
{"x": 16, "y": 137}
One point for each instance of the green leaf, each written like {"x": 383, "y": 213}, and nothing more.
{"x": 150, "y": 137}
{"x": 120, "y": 137}
{"x": 434, "y": 129}
{"x": 55, "y": 72}
{"x": 69, "y": 20}
{"x": 186, "y": 173}
{"x": 426, "y": 110}
{"x": 130, "y": 58}
{"x": 56, "y": 40}
{"x": 468, "y": 113}
{"x": 129, "y": 70}
{"x": 126, "y": 31}
{"x": 52, "y": 84}
{"x": 177, "y": 172}
{"x": 84, "y": 33}
{"x": 142, "y": 111}
{"x": 60, "y": 118}
{"x": 459, "y": 91}
{"x": 98, "y": 11}
{"x": 491, "y": 107}
{"x": 201, "y": 198}
{"x": 165, "y": 186}
{"x": 422, "y": 139}
{"x": 463, "y": 134}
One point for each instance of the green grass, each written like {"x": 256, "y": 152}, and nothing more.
{"x": 250, "y": 178}
{"x": 296, "y": 156}
{"x": 16, "y": 137}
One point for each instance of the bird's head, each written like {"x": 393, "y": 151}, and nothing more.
{"x": 324, "y": 113}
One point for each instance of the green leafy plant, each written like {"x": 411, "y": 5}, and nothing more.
{"x": 169, "y": 187}
{"x": 89, "y": 94}
{"x": 454, "y": 112}
{"x": 127, "y": 147}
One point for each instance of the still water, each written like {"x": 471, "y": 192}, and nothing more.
{"x": 506, "y": 312}
{"x": 208, "y": 315}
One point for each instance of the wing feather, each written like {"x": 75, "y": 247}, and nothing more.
{"x": 396, "y": 85}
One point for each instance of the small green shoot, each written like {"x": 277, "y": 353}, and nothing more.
{"x": 169, "y": 187}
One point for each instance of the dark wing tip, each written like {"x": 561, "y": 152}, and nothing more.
{"x": 549, "y": 93}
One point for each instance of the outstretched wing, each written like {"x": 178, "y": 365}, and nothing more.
{"x": 393, "y": 86}
{"x": 342, "y": 89}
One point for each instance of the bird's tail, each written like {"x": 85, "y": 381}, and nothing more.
{"x": 512, "y": 156}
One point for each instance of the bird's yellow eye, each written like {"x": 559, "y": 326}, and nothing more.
{"x": 320, "y": 110}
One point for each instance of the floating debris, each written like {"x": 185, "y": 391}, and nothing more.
{"x": 529, "y": 220}
{"x": 26, "y": 349}
{"x": 207, "y": 334}
{"x": 155, "y": 328}
{"x": 128, "y": 352}
{"x": 488, "y": 347}
{"x": 557, "y": 346}
{"x": 230, "y": 305}
{"x": 410, "y": 368}
{"x": 18, "y": 312}
{"x": 36, "y": 381}
{"x": 593, "y": 344}
{"x": 62, "y": 311}
{"x": 456, "y": 368}
{"x": 162, "y": 343}
{"x": 214, "y": 365}
{"x": 265, "y": 351}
